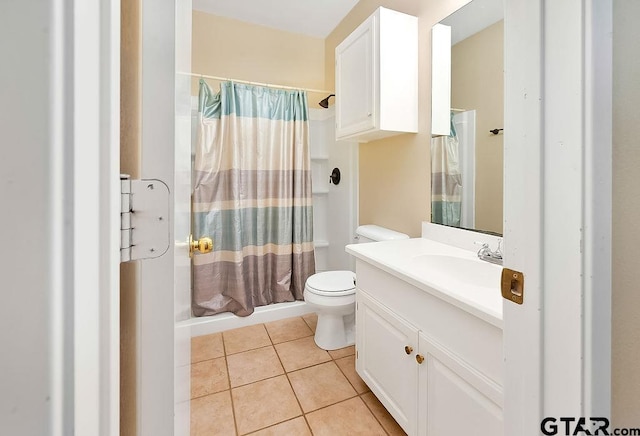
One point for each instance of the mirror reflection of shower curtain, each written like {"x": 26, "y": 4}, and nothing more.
{"x": 465, "y": 125}
{"x": 252, "y": 196}
{"x": 446, "y": 180}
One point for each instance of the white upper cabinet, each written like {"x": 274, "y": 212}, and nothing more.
{"x": 377, "y": 78}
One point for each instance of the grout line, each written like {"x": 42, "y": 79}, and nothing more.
{"x": 258, "y": 381}
{"x": 224, "y": 346}
{"x": 279, "y": 375}
{"x": 233, "y": 406}
{"x": 206, "y": 360}
{"x": 264, "y": 326}
{"x": 345, "y": 376}
{"x": 309, "y": 325}
{"x": 372, "y": 412}
{"x": 210, "y": 358}
{"x": 307, "y": 367}
{"x": 208, "y": 394}
{"x": 333, "y": 404}
{"x": 273, "y": 425}
{"x": 295, "y": 339}
{"x": 286, "y": 374}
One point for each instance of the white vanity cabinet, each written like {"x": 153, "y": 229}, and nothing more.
{"x": 435, "y": 367}
{"x": 386, "y": 347}
{"x": 377, "y": 78}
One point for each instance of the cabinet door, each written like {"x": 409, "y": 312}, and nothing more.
{"x": 390, "y": 373}
{"x": 355, "y": 78}
{"x": 454, "y": 398}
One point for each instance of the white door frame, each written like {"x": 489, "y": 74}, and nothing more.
{"x": 62, "y": 135}
{"x": 558, "y": 220}
{"x": 163, "y": 352}
{"x": 95, "y": 118}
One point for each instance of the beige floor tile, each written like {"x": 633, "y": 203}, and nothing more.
{"x": 348, "y": 366}
{"x": 245, "y": 338}
{"x": 253, "y": 365}
{"x": 209, "y": 377}
{"x": 206, "y": 347}
{"x": 343, "y": 352}
{"x": 295, "y": 427}
{"x": 320, "y": 386}
{"x": 349, "y": 418}
{"x": 383, "y": 416}
{"x": 312, "y": 320}
{"x": 264, "y": 403}
{"x": 288, "y": 329}
{"x": 301, "y": 353}
{"x": 212, "y": 415}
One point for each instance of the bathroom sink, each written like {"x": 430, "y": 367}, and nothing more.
{"x": 451, "y": 270}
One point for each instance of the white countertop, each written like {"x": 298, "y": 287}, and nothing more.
{"x": 398, "y": 258}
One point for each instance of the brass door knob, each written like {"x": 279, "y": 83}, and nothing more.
{"x": 203, "y": 245}
{"x": 419, "y": 358}
{"x": 408, "y": 349}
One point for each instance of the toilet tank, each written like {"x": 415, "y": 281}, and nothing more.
{"x": 373, "y": 233}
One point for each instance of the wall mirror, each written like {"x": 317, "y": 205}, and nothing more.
{"x": 467, "y": 117}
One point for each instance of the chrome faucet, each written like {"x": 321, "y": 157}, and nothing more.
{"x": 487, "y": 255}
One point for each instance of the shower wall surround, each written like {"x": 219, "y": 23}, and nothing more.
{"x": 334, "y": 206}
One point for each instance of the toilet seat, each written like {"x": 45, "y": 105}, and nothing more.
{"x": 332, "y": 283}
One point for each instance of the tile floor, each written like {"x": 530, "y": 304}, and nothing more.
{"x": 272, "y": 379}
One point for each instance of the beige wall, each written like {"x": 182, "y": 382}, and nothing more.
{"x": 129, "y": 164}
{"x": 626, "y": 214}
{"x": 394, "y": 173}
{"x": 477, "y": 82}
{"x": 234, "y": 49}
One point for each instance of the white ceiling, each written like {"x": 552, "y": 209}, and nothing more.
{"x": 309, "y": 17}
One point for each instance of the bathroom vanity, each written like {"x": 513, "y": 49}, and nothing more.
{"x": 429, "y": 336}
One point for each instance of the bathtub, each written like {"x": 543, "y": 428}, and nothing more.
{"x": 206, "y": 325}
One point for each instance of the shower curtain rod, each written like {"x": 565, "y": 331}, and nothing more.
{"x": 270, "y": 85}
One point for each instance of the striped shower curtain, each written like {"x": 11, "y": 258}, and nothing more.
{"x": 446, "y": 181}
{"x": 252, "y": 196}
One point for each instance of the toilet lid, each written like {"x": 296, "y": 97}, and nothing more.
{"x": 332, "y": 283}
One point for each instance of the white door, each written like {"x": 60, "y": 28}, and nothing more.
{"x": 557, "y": 223}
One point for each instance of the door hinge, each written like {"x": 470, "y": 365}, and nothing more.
{"x": 144, "y": 219}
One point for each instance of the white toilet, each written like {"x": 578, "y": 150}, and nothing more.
{"x": 332, "y": 294}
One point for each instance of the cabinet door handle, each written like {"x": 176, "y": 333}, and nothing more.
{"x": 419, "y": 358}
{"x": 408, "y": 349}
